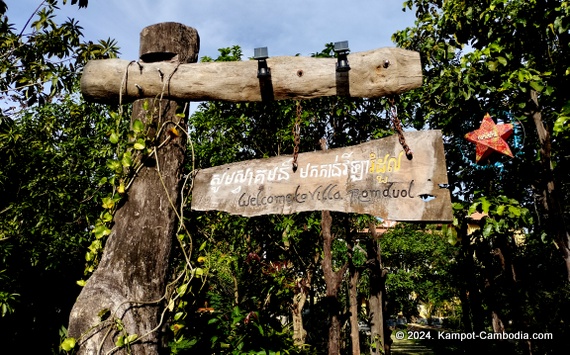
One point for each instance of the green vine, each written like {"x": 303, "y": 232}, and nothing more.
{"x": 133, "y": 147}
{"x": 129, "y": 158}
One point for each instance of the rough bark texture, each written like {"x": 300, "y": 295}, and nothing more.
{"x": 546, "y": 189}
{"x": 380, "y": 341}
{"x": 169, "y": 41}
{"x": 374, "y": 73}
{"x": 471, "y": 303}
{"x": 133, "y": 271}
{"x": 333, "y": 281}
{"x": 299, "y": 332}
{"x": 353, "y": 307}
{"x": 302, "y": 292}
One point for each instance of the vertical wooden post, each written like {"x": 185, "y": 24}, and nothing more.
{"x": 133, "y": 271}
{"x": 354, "y": 279}
{"x": 546, "y": 188}
{"x": 380, "y": 341}
{"x": 333, "y": 279}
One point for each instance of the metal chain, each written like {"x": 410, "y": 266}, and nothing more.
{"x": 398, "y": 127}
{"x": 297, "y": 136}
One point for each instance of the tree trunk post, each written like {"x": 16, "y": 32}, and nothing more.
{"x": 299, "y": 299}
{"x": 333, "y": 281}
{"x": 131, "y": 278}
{"x": 354, "y": 273}
{"x": 380, "y": 341}
{"x": 546, "y": 189}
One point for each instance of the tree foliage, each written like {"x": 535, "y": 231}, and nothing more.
{"x": 508, "y": 58}
{"x": 38, "y": 65}
{"x": 472, "y": 65}
{"x": 52, "y": 150}
{"x": 421, "y": 266}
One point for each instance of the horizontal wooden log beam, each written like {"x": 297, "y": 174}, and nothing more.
{"x": 374, "y": 73}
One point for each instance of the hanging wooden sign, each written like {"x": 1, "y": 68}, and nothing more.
{"x": 371, "y": 178}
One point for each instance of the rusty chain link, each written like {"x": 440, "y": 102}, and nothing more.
{"x": 398, "y": 127}
{"x": 297, "y": 136}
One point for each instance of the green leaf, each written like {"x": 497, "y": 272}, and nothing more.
{"x": 107, "y": 217}
{"x": 131, "y": 338}
{"x": 203, "y": 246}
{"x": 515, "y": 210}
{"x": 120, "y": 341}
{"x": 114, "y": 115}
{"x": 100, "y": 231}
{"x": 68, "y": 344}
{"x": 473, "y": 208}
{"x": 485, "y": 205}
{"x": 561, "y": 125}
{"x": 523, "y": 75}
{"x": 108, "y": 203}
{"x": 139, "y": 145}
{"x": 119, "y": 324}
{"x": 487, "y": 229}
{"x": 178, "y": 315}
{"x": 536, "y": 86}
{"x": 95, "y": 245}
{"x": 114, "y": 165}
{"x": 501, "y": 210}
{"x": 182, "y": 289}
{"x": 457, "y": 206}
{"x": 127, "y": 160}
{"x": 138, "y": 126}
{"x": 121, "y": 188}
{"x": 114, "y": 138}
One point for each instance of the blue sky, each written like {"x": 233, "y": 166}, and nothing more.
{"x": 286, "y": 27}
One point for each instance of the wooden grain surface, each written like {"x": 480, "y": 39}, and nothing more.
{"x": 372, "y": 178}
{"x": 374, "y": 73}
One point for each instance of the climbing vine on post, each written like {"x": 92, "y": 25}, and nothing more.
{"x": 129, "y": 287}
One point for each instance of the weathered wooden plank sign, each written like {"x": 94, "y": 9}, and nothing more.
{"x": 373, "y": 178}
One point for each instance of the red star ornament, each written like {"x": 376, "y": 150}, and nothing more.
{"x": 490, "y": 137}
